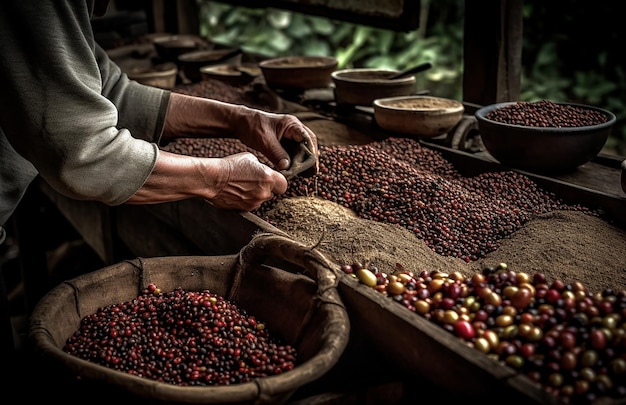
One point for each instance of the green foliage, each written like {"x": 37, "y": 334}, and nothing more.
{"x": 556, "y": 63}
{"x": 274, "y": 33}
{"x": 572, "y": 52}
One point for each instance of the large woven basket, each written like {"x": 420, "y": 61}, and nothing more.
{"x": 289, "y": 286}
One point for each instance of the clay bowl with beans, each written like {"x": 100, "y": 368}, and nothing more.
{"x": 544, "y": 137}
{"x": 298, "y": 73}
{"x": 361, "y": 86}
{"x": 421, "y": 116}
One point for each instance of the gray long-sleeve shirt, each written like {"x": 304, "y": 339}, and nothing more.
{"x": 67, "y": 112}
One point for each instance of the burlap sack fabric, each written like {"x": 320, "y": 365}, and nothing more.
{"x": 290, "y": 286}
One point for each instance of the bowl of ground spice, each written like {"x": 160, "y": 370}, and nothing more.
{"x": 544, "y": 136}
{"x": 420, "y": 116}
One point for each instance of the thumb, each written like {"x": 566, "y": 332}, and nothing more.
{"x": 279, "y": 155}
{"x": 280, "y": 183}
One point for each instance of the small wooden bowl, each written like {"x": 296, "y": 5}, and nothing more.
{"x": 169, "y": 47}
{"x": 230, "y": 74}
{"x": 191, "y": 62}
{"x": 422, "y": 116}
{"x": 298, "y": 73}
{"x": 162, "y": 75}
{"x": 364, "y": 85}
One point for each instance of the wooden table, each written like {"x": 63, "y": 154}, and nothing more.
{"x": 194, "y": 226}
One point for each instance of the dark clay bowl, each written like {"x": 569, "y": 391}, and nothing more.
{"x": 547, "y": 150}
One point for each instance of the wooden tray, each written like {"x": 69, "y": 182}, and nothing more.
{"x": 422, "y": 351}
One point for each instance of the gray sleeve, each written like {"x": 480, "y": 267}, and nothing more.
{"x": 87, "y": 129}
{"x": 141, "y": 108}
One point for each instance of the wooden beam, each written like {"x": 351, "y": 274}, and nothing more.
{"x": 175, "y": 17}
{"x": 492, "y": 47}
{"x": 188, "y": 17}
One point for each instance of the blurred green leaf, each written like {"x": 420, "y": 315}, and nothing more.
{"x": 279, "y": 19}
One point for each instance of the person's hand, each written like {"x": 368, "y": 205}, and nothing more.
{"x": 246, "y": 183}
{"x": 235, "y": 182}
{"x": 198, "y": 117}
{"x": 263, "y": 132}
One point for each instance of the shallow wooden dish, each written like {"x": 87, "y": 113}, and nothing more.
{"x": 422, "y": 116}
{"x": 191, "y": 62}
{"x": 162, "y": 76}
{"x": 231, "y": 74}
{"x": 169, "y": 47}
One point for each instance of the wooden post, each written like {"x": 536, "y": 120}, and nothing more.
{"x": 492, "y": 51}
{"x": 176, "y": 17}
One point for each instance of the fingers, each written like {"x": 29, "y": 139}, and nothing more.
{"x": 250, "y": 183}
{"x": 264, "y": 131}
{"x": 287, "y": 127}
{"x": 312, "y": 144}
{"x": 296, "y": 131}
{"x": 279, "y": 185}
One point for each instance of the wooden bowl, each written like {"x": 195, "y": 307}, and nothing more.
{"x": 364, "y": 85}
{"x": 298, "y": 73}
{"x": 191, "y": 62}
{"x": 162, "y": 75}
{"x": 169, "y": 47}
{"x": 422, "y": 116}
{"x": 231, "y": 74}
{"x": 549, "y": 149}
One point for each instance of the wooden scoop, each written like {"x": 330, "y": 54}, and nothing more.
{"x": 411, "y": 71}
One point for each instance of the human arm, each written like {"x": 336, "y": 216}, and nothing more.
{"x": 238, "y": 182}
{"x": 61, "y": 106}
{"x": 190, "y": 116}
{"x": 92, "y": 134}
{"x": 235, "y": 182}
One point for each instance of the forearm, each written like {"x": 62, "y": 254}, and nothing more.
{"x": 177, "y": 177}
{"x": 189, "y": 116}
{"x": 237, "y": 181}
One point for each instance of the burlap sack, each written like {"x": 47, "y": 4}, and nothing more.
{"x": 289, "y": 286}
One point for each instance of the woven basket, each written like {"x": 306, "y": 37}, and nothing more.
{"x": 287, "y": 285}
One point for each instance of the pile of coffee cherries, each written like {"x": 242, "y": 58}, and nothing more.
{"x": 547, "y": 114}
{"x": 399, "y": 182}
{"x": 182, "y": 337}
{"x": 569, "y": 340}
